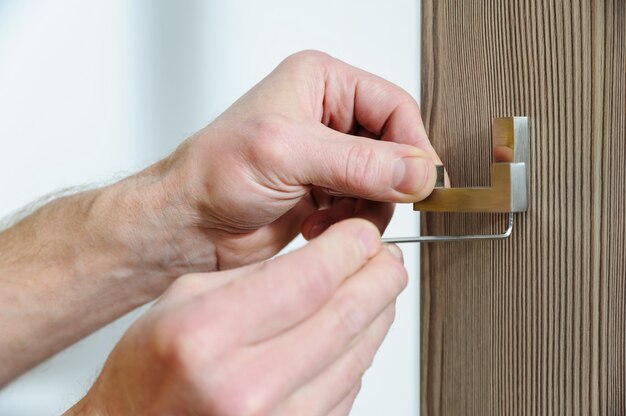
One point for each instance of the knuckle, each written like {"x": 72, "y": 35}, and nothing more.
{"x": 401, "y": 276}
{"x": 395, "y": 275}
{"x": 390, "y": 314}
{"x": 407, "y": 99}
{"x": 177, "y": 341}
{"x": 237, "y": 397}
{"x": 362, "y": 167}
{"x": 360, "y": 361}
{"x": 169, "y": 345}
{"x": 350, "y": 316}
{"x": 268, "y": 139}
{"x": 358, "y": 386}
{"x": 308, "y": 58}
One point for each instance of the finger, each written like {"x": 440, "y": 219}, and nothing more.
{"x": 288, "y": 289}
{"x": 399, "y": 130}
{"x": 404, "y": 125}
{"x": 375, "y": 104}
{"x": 316, "y": 223}
{"x": 365, "y": 168}
{"x": 345, "y": 406}
{"x": 330, "y": 387}
{"x": 378, "y": 213}
{"x": 349, "y": 100}
{"x": 313, "y": 345}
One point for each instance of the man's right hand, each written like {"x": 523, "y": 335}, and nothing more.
{"x": 271, "y": 166}
{"x": 289, "y": 336}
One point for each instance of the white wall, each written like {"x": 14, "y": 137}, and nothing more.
{"x": 92, "y": 89}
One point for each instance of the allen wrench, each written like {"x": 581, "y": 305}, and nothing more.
{"x": 447, "y": 238}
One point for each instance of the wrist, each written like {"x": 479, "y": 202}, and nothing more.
{"x": 104, "y": 251}
{"x": 147, "y": 219}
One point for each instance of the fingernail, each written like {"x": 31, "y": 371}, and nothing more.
{"x": 395, "y": 250}
{"x": 411, "y": 174}
{"x": 318, "y": 228}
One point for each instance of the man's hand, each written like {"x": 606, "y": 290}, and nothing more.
{"x": 273, "y": 164}
{"x": 291, "y": 336}
{"x": 316, "y": 142}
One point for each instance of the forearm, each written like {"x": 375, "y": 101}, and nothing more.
{"x": 78, "y": 263}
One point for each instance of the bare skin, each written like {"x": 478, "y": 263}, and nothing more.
{"x": 290, "y": 336}
{"x": 292, "y": 155}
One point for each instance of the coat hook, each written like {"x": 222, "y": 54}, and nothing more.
{"x": 508, "y": 191}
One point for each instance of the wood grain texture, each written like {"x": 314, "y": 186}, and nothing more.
{"x": 535, "y": 325}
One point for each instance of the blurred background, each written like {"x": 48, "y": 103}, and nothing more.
{"x": 93, "y": 91}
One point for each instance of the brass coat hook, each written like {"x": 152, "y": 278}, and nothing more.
{"x": 509, "y": 184}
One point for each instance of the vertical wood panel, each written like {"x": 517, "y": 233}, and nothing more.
{"x": 535, "y": 324}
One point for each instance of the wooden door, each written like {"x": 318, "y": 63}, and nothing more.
{"x": 534, "y": 325}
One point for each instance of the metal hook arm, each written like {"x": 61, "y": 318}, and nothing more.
{"x": 443, "y": 238}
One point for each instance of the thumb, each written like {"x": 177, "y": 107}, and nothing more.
{"x": 366, "y": 168}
